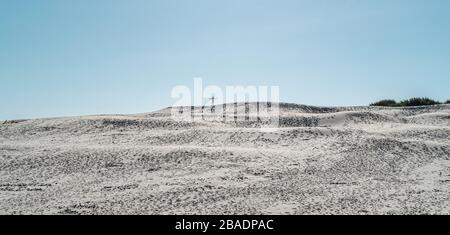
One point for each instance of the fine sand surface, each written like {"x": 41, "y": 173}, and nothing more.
{"x": 347, "y": 160}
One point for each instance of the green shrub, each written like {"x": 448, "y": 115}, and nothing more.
{"x": 389, "y": 103}
{"x": 418, "y": 102}
{"x": 404, "y": 103}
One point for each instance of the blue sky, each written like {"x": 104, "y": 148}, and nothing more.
{"x": 64, "y": 58}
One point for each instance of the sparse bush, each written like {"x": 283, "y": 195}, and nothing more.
{"x": 418, "y": 102}
{"x": 389, "y": 103}
{"x": 447, "y": 102}
{"x": 404, "y": 103}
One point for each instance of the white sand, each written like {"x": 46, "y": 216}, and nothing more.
{"x": 349, "y": 160}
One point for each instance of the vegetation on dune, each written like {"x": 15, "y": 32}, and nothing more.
{"x": 389, "y": 103}
{"x": 447, "y": 102}
{"x": 418, "y": 102}
{"x": 406, "y": 103}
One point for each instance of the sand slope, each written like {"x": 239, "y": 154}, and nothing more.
{"x": 344, "y": 160}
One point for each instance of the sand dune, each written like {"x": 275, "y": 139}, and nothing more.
{"x": 335, "y": 160}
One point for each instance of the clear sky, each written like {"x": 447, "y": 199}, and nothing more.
{"x": 64, "y": 58}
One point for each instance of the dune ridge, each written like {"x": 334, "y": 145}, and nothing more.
{"x": 322, "y": 160}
